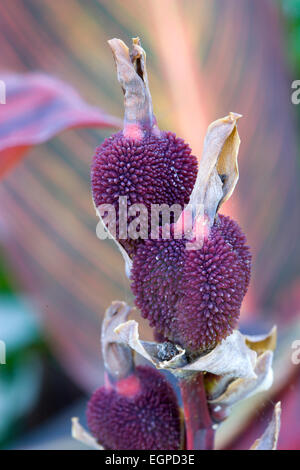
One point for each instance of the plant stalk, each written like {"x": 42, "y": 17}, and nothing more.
{"x": 199, "y": 426}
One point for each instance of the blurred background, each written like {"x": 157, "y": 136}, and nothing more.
{"x": 205, "y": 58}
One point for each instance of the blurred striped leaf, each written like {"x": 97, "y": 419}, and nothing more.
{"x": 38, "y": 107}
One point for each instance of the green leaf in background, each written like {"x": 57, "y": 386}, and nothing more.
{"x": 20, "y": 377}
{"x": 18, "y": 323}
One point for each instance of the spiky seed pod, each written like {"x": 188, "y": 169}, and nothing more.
{"x": 233, "y": 235}
{"x": 193, "y": 297}
{"x": 144, "y": 416}
{"x": 142, "y": 163}
{"x": 154, "y": 170}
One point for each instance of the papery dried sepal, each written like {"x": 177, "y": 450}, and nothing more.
{"x": 129, "y": 334}
{"x": 219, "y": 387}
{"x": 231, "y": 357}
{"x": 263, "y": 342}
{"x": 244, "y": 388}
{"x": 118, "y": 360}
{"x": 218, "y": 168}
{"x": 83, "y": 436}
{"x": 132, "y": 75}
{"x": 269, "y": 439}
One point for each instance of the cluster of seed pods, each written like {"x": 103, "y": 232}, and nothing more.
{"x": 190, "y": 297}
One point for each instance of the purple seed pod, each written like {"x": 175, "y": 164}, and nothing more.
{"x": 141, "y": 163}
{"x": 154, "y": 170}
{"x": 138, "y": 413}
{"x": 193, "y": 297}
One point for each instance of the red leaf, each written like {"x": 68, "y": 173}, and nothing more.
{"x": 38, "y": 107}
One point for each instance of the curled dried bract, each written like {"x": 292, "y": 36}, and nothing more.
{"x": 269, "y": 439}
{"x": 231, "y": 358}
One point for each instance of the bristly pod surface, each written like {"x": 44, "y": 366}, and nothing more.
{"x": 144, "y": 416}
{"x": 200, "y": 291}
{"x": 192, "y": 296}
{"x": 143, "y": 164}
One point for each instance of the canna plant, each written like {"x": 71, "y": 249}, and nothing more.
{"x": 189, "y": 284}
